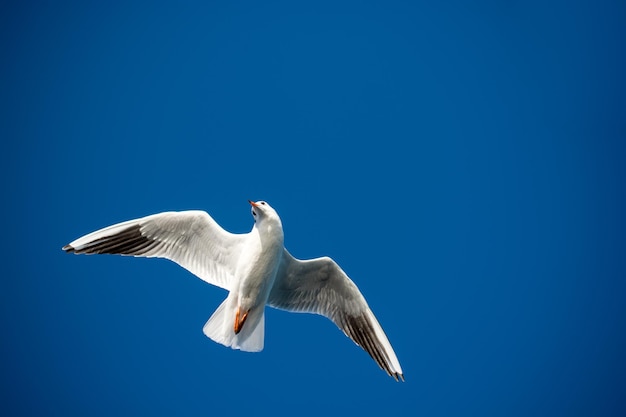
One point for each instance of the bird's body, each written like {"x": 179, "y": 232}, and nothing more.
{"x": 257, "y": 271}
{"x": 258, "y": 263}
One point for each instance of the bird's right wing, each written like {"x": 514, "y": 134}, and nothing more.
{"x": 192, "y": 239}
{"x": 320, "y": 286}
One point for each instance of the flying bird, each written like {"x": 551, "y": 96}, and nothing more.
{"x": 257, "y": 271}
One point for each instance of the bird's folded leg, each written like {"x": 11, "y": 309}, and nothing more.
{"x": 240, "y": 319}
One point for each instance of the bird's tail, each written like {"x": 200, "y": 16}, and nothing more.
{"x": 220, "y": 328}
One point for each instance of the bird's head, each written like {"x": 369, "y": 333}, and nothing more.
{"x": 262, "y": 211}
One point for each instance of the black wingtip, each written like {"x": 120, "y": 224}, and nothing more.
{"x": 68, "y": 248}
{"x": 397, "y": 376}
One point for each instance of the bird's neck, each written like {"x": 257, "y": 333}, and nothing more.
{"x": 270, "y": 232}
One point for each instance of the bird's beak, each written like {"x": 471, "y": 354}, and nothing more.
{"x": 253, "y": 204}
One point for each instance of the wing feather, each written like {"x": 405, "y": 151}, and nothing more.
{"x": 320, "y": 286}
{"x": 192, "y": 239}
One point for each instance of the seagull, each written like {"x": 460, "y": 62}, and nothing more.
{"x": 255, "y": 269}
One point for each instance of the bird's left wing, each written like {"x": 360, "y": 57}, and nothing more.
{"x": 192, "y": 239}
{"x": 320, "y": 286}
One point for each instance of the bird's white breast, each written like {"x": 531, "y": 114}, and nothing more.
{"x": 257, "y": 267}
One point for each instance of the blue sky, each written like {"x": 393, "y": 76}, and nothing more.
{"x": 463, "y": 163}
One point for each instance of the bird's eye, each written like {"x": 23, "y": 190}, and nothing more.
{"x": 263, "y": 202}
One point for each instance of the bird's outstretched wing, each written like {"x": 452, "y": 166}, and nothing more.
{"x": 320, "y": 286}
{"x": 192, "y": 239}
